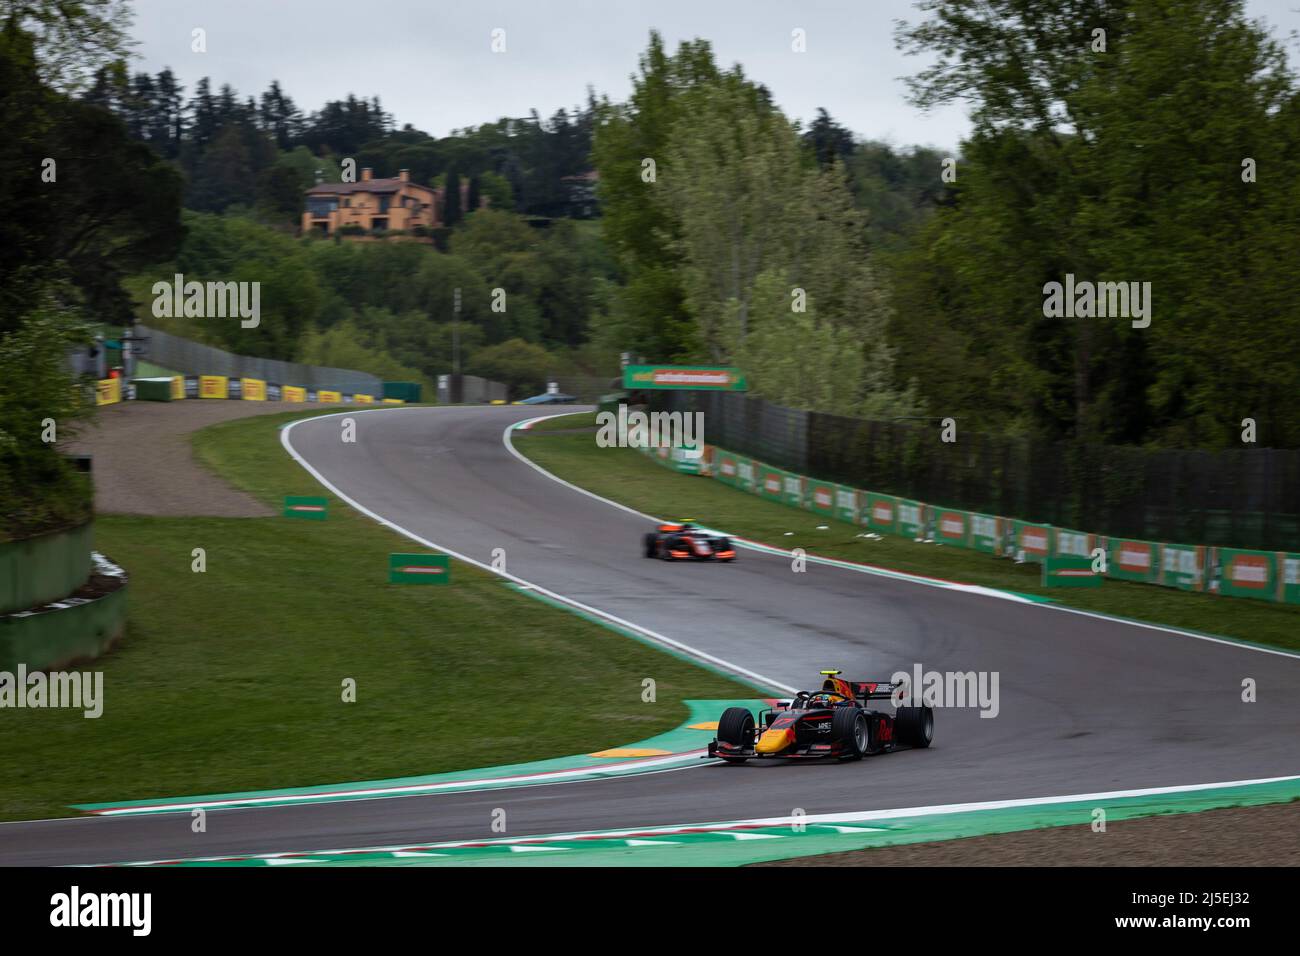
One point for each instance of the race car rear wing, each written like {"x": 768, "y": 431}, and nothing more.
{"x": 874, "y": 690}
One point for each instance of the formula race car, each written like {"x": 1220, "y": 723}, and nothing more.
{"x": 683, "y": 541}
{"x": 835, "y": 722}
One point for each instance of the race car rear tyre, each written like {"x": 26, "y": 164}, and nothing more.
{"x": 736, "y": 727}
{"x": 650, "y": 542}
{"x": 667, "y": 546}
{"x": 915, "y": 726}
{"x": 852, "y": 729}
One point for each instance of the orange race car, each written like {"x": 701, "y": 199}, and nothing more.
{"x": 684, "y": 541}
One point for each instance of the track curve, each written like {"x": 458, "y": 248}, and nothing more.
{"x": 1087, "y": 704}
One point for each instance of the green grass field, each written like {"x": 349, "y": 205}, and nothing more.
{"x": 231, "y": 679}
{"x": 631, "y": 478}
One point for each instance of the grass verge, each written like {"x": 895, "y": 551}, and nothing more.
{"x": 231, "y": 679}
{"x": 629, "y": 477}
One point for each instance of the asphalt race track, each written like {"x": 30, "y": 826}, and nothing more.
{"x": 1087, "y": 704}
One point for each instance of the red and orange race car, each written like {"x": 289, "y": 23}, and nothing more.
{"x": 685, "y": 541}
{"x": 834, "y": 722}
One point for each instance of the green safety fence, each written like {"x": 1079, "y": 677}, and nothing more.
{"x": 1248, "y": 574}
{"x": 1064, "y": 552}
{"x": 1131, "y": 560}
{"x": 1182, "y": 566}
{"x": 847, "y": 504}
{"x": 880, "y": 513}
{"x": 911, "y": 518}
{"x": 820, "y": 497}
{"x": 951, "y": 527}
{"x": 1068, "y": 543}
{"x": 985, "y": 533}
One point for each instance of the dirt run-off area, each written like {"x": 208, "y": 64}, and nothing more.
{"x": 143, "y": 463}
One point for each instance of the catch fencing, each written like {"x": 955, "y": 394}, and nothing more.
{"x": 194, "y": 358}
{"x": 1238, "y": 498}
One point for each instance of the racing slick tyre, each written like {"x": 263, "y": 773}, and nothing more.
{"x": 915, "y": 726}
{"x": 736, "y": 727}
{"x": 723, "y": 544}
{"x": 666, "y": 547}
{"x": 650, "y": 542}
{"x": 852, "y": 729}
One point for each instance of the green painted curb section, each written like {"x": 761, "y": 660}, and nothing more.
{"x": 739, "y": 842}
{"x": 681, "y": 747}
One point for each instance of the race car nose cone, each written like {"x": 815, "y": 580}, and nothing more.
{"x": 774, "y": 741}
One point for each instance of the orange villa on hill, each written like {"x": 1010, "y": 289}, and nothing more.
{"x": 390, "y": 204}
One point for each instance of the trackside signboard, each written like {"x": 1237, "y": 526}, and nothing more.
{"x": 1289, "y": 579}
{"x": 419, "y": 569}
{"x": 1251, "y": 574}
{"x": 984, "y": 533}
{"x": 1130, "y": 560}
{"x": 821, "y": 498}
{"x": 881, "y": 513}
{"x": 313, "y": 509}
{"x": 1183, "y": 567}
{"x": 1069, "y": 571}
{"x": 708, "y": 377}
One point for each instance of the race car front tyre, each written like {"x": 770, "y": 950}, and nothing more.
{"x": 736, "y": 727}
{"x": 650, "y": 541}
{"x": 850, "y": 727}
{"x": 915, "y": 726}
{"x": 724, "y": 544}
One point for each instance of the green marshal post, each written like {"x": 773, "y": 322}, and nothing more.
{"x": 312, "y": 509}
{"x": 419, "y": 569}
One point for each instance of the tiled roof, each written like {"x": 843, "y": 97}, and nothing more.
{"x": 366, "y": 186}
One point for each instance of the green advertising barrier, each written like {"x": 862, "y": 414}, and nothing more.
{"x": 1129, "y": 560}
{"x": 1248, "y": 574}
{"x": 951, "y": 526}
{"x": 985, "y": 533}
{"x": 881, "y": 513}
{"x": 820, "y": 498}
{"x": 1288, "y": 578}
{"x": 846, "y": 504}
{"x": 1067, "y": 543}
{"x": 419, "y": 569}
{"x": 911, "y": 518}
{"x": 1069, "y": 571}
{"x": 746, "y": 474}
{"x": 1029, "y": 541}
{"x": 1182, "y": 566}
{"x": 770, "y": 483}
{"x": 712, "y": 378}
{"x": 1066, "y": 554}
{"x": 311, "y": 509}
{"x": 687, "y": 461}
{"x": 725, "y": 467}
{"x": 792, "y": 489}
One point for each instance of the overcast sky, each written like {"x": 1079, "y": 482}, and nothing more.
{"x": 430, "y": 61}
